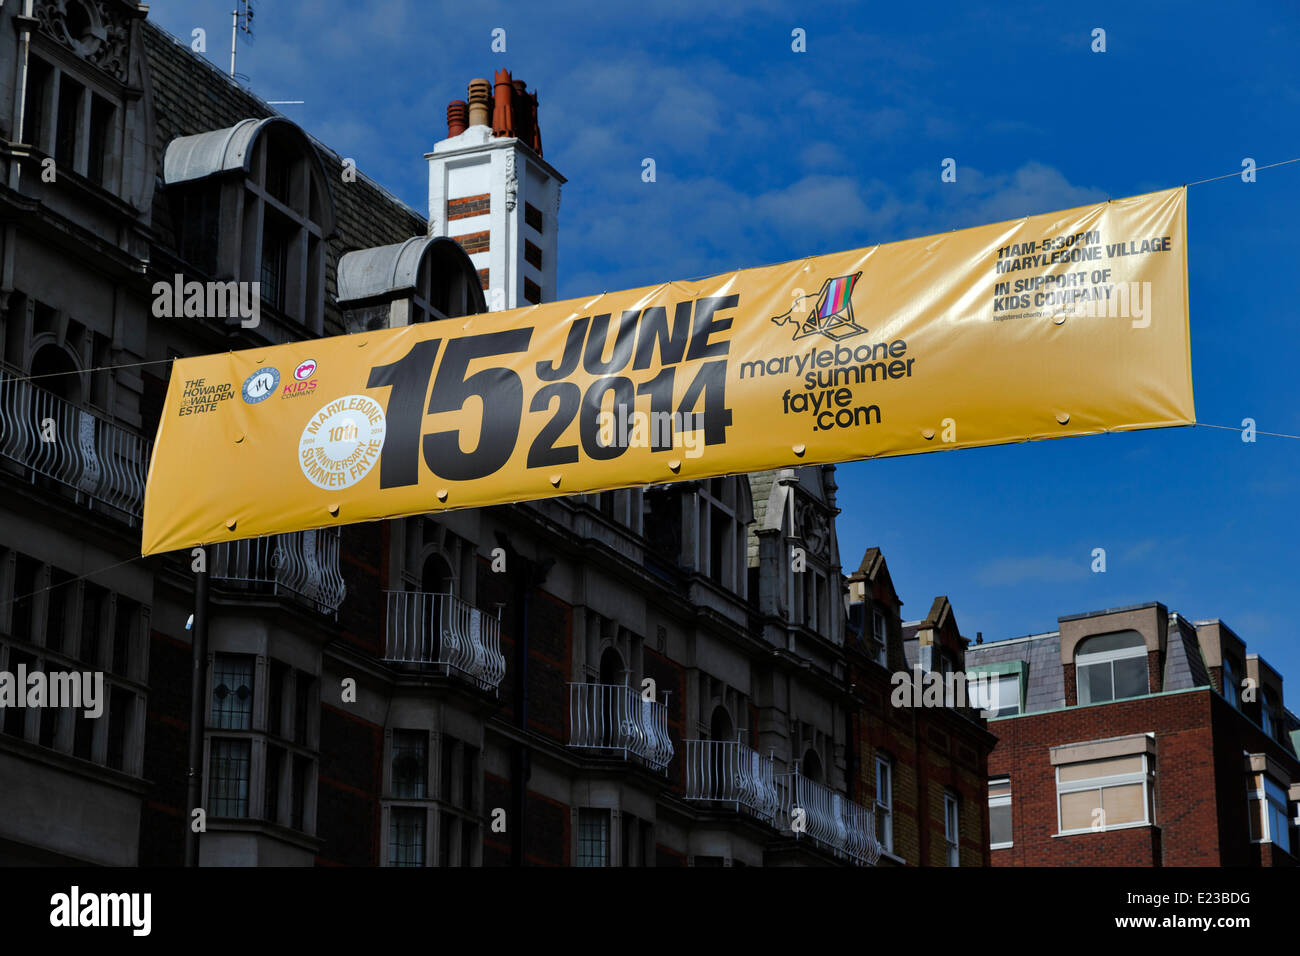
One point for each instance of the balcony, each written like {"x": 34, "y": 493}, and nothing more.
{"x": 615, "y": 717}
{"x": 831, "y": 820}
{"x": 51, "y": 438}
{"x": 303, "y": 565}
{"x": 726, "y": 772}
{"x": 442, "y": 631}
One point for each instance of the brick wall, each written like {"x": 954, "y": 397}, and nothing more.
{"x": 1186, "y": 811}
{"x": 932, "y": 751}
{"x": 468, "y": 206}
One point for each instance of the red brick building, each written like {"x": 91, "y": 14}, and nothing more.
{"x": 923, "y": 767}
{"x": 1136, "y": 737}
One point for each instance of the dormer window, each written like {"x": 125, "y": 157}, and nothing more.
{"x": 1111, "y": 667}
{"x": 424, "y": 279}
{"x": 251, "y": 203}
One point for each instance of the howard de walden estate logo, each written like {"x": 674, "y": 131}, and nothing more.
{"x": 831, "y": 315}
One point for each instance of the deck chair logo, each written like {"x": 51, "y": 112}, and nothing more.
{"x": 832, "y": 312}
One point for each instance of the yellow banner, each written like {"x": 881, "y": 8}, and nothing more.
{"x": 1070, "y": 323}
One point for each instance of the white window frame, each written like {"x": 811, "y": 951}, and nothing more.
{"x": 884, "y": 800}
{"x": 1145, "y": 776}
{"x": 1003, "y": 800}
{"x": 1106, "y": 657}
{"x": 1273, "y": 803}
{"x": 952, "y": 827}
{"x": 880, "y": 635}
{"x": 994, "y": 706}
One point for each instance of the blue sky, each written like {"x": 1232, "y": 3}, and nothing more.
{"x": 763, "y": 155}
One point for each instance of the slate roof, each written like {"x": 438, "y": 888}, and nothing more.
{"x": 191, "y": 96}
{"x": 1042, "y": 655}
{"x": 1184, "y": 665}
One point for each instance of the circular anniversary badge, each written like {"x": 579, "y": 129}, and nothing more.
{"x": 342, "y": 442}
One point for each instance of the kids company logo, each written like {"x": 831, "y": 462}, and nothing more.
{"x": 259, "y": 386}
{"x": 305, "y": 370}
{"x": 832, "y": 312}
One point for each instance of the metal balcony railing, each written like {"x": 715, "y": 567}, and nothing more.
{"x": 728, "y": 772}
{"x": 832, "y": 820}
{"x": 444, "y": 631}
{"x": 99, "y": 460}
{"x": 617, "y": 717}
{"x": 301, "y": 564}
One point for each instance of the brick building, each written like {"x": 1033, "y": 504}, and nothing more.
{"x": 656, "y": 676}
{"x": 1137, "y": 737}
{"x": 925, "y": 767}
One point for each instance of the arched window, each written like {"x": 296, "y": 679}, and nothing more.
{"x": 54, "y": 371}
{"x": 267, "y": 208}
{"x": 612, "y": 670}
{"x": 424, "y": 279}
{"x": 1111, "y": 667}
{"x": 436, "y": 576}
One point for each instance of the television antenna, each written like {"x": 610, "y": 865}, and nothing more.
{"x": 240, "y": 19}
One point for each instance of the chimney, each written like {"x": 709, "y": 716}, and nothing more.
{"x": 478, "y": 102}
{"x": 537, "y": 126}
{"x": 457, "y": 117}
{"x": 524, "y": 118}
{"x": 503, "y": 123}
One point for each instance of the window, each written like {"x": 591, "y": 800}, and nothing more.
{"x": 721, "y": 538}
{"x": 1000, "y": 813}
{"x": 885, "y": 803}
{"x": 275, "y": 252}
{"x": 1270, "y": 715}
{"x": 406, "y": 836}
{"x": 232, "y": 692}
{"x": 952, "y": 827}
{"x": 38, "y": 86}
{"x": 99, "y": 157}
{"x": 636, "y": 840}
{"x": 1269, "y": 822}
{"x": 593, "y": 837}
{"x": 1111, "y": 667}
{"x": 271, "y": 792}
{"x": 879, "y": 638}
{"x": 65, "y": 137}
{"x": 1232, "y": 681}
{"x": 410, "y": 764}
{"x": 228, "y": 788}
{"x": 996, "y": 694}
{"x": 1104, "y": 794}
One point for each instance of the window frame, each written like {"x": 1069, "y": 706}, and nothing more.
{"x": 1096, "y": 658}
{"x": 884, "y": 808}
{"x": 1273, "y": 803}
{"x": 1001, "y": 800}
{"x": 952, "y": 817}
{"x": 880, "y": 637}
{"x": 1145, "y": 776}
